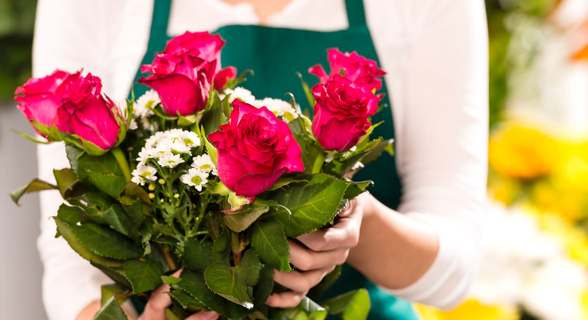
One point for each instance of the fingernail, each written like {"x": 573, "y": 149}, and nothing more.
{"x": 208, "y": 315}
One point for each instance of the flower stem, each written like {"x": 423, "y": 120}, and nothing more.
{"x": 122, "y": 162}
{"x": 318, "y": 162}
{"x": 168, "y": 258}
{"x": 236, "y": 247}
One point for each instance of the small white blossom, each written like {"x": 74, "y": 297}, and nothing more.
{"x": 133, "y": 125}
{"x": 162, "y": 149}
{"x": 150, "y": 97}
{"x": 280, "y": 108}
{"x": 144, "y": 173}
{"x": 190, "y": 139}
{"x": 204, "y": 164}
{"x": 170, "y": 160}
{"x": 195, "y": 178}
{"x": 180, "y": 147}
{"x": 239, "y": 93}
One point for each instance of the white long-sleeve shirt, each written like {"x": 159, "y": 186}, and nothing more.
{"x": 435, "y": 54}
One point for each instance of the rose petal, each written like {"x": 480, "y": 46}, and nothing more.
{"x": 221, "y": 78}
{"x": 177, "y": 94}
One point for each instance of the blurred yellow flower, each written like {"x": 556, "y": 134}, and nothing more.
{"x": 575, "y": 239}
{"x": 520, "y": 151}
{"x": 557, "y": 197}
{"x": 469, "y": 310}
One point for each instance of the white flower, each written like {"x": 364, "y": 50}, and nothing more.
{"x": 133, "y": 125}
{"x": 195, "y": 178}
{"x": 170, "y": 160}
{"x": 149, "y": 98}
{"x": 144, "y": 154}
{"x": 280, "y": 108}
{"x": 190, "y": 139}
{"x": 204, "y": 164}
{"x": 239, "y": 93}
{"x": 144, "y": 173}
{"x": 179, "y": 147}
{"x": 163, "y": 148}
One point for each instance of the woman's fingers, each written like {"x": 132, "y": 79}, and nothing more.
{"x": 202, "y": 315}
{"x": 307, "y": 260}
{"x": 155, "y": 308}
{"x": 288, "y": 299}
{"x": 301, "y": 281}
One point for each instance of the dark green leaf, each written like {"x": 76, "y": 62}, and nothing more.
{"x": 197, "y": 254}
{"x": 186, "y": 300}
{"x": 117, "y": 217}
{"x": 111, "y": 290}
{"x": 384, "y": 145}
{"x": 249, "y": 267}
{"x": 264, "y": 287}
{"x": 325, "y": 284}
{"x": 71, "y": 215}
{"x": 227, "y": 282}
{"x": 66, "y": 231}
{"x": 68, "y": 183}
{"x": 221, "y": 250}
{"x": 195, "y": 285}
{"x": 211, "y": 118}
{"x": 310, "y": 306}
{"x": 269, "y": 241}
{"x": 34, "y": 186}
{"x": 312, "y": 205}
{"x": 354, "y": 305}
{"x": 106, "y": 242}
{"x": 97, "y": 199}
{"x": 357, "y": 188}
{"x": 241, "y": 221}
{"x": 143, "y": 275}
{"x": 111, "y": 311}
{"x": 82, "y": 163}
{"x": 108, "y": 183}
{"x": 134, "y": 208}
{"x": 117, "y": 274}
{"x": 282, "y": 182}
{"x": 133, "y": 190}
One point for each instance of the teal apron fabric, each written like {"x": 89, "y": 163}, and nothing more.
{"x": 275, "y": 55}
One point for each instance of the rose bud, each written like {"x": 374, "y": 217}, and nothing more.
{"x": 37, "y": 99}
{"x": 254, "y": 149}
{"x": 181, "y": 79}
{"x": 341, "y": 112}
{"x": 357, "y": 69}
{"x": 209, "y": 48}
{"x": 94, "y": 118}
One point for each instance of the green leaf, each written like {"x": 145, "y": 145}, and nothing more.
{"x": 250, "y": 267}
{"x": 264, "y": 287}
{"x": 66, "y": 231}
{"x": 31, "y": 138}
{"x": 82, "y": 163}
{"x": 221, "y": 250}
{"x": 134, "y": 208}
{"x": 34, "y": 186}
{"x": 354, "y": 305}
{"x": 307, "y": 90}
{"x": 282, "y": 182}
{"x": 227, "y": 282}
{"x": 197, "y": 254}
{"x": 105, "y": 241}
{"x": 211, "y": 118}
{"x": 310, "y": 306}
{"x": 384, "y": 145}
{"x": 133, "y": 190}
{"x": 312, "y": 205}
{"x": 210, "y": 148}
{"x": 170, "y": 280}
{"x": 68, "y": 183}
{"x": 318, "y": 315}
{"x": 241, "y": 221}
{"x": 115, "y": 273}
{"x": 97, "y": 199}
{"x": 111, "y": 290}
{"x": 194, "y": 284}
{"x": 269, "y": 241}
{"x": 117, "y": 217}
{"x": 187, "y": 120}
{"x": 108, "y": 183}
{"x": 71, "y": 215}
{"x": 143, "y": 275}
{"x": 111, "y": 310}
{"x": 357, "y": 188}
{"x": 186, "y": 300}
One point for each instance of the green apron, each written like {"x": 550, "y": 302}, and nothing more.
{"x": 275, "y": 55}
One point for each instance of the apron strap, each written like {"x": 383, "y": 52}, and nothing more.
{"x": 157, "y": 38}
{"x": 355, "y": 13}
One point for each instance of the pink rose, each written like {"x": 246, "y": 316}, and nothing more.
{"x": 254, "y": 150}
{"x": 37, "y": 98}
{"x": 88, "y": 114}
{"x": 357, "y": 68}
{"x": 209, "y": 48}
{"x": 181, "y": 79}
{"x": 341, "y": 112}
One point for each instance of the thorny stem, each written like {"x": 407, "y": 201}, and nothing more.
{"x": 168, "y": 258}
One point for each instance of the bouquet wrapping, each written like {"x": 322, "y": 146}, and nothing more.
{"x": 197, "y": 184}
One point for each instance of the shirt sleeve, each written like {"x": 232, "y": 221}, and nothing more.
{"x": 442, "y": 140}
{"x": 73, "y": 35}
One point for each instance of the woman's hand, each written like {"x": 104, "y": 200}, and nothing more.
{"x": 316, "y": 254}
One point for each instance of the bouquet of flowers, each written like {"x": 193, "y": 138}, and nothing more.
{"x": 198, "y": 175}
